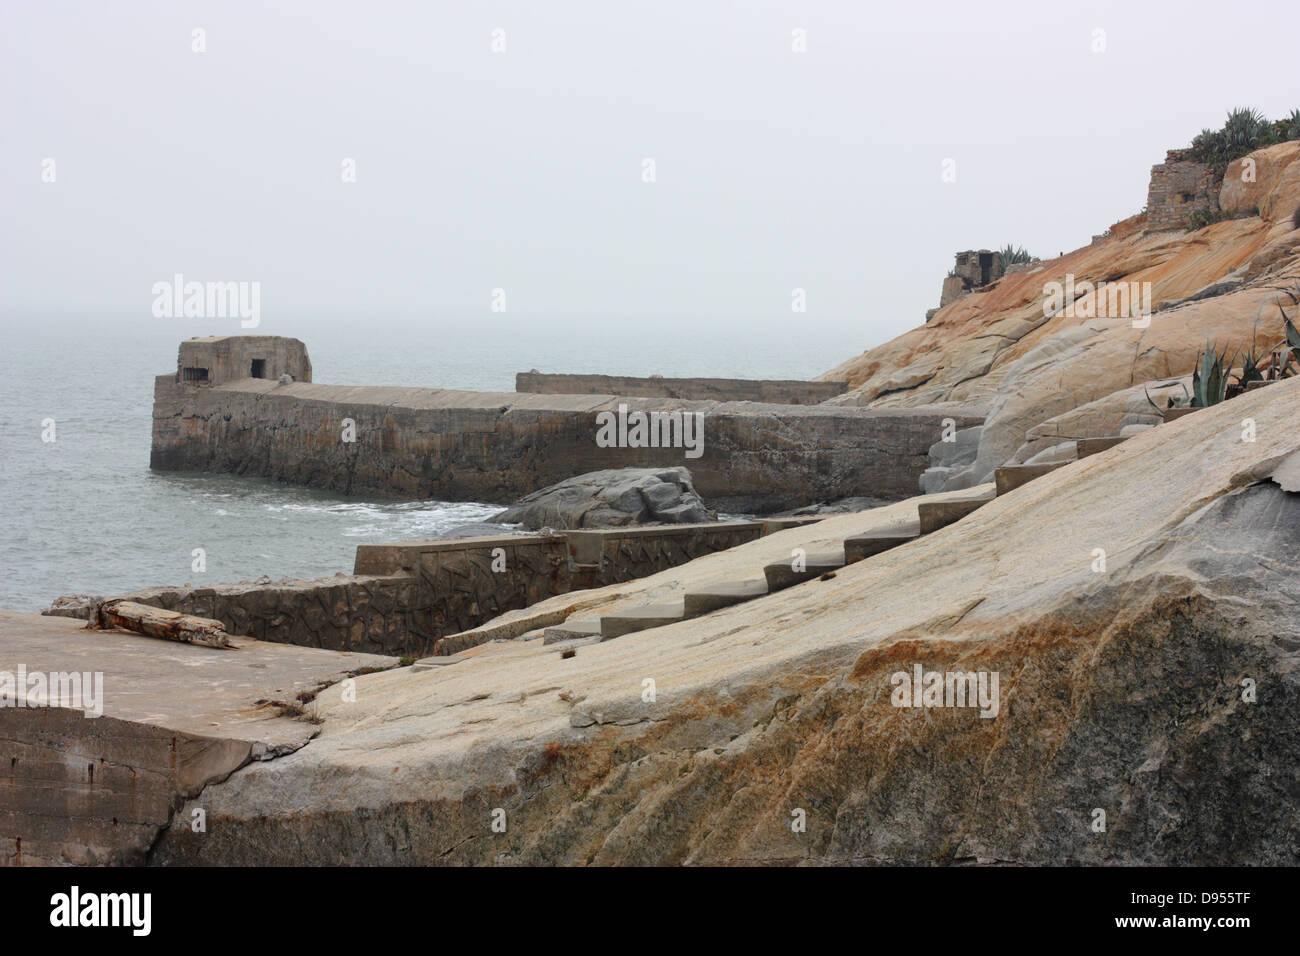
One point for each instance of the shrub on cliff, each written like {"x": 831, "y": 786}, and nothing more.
{"x": 1291, "y": 126}
{"x": 1013, "y": 255}
{"x": 1244, "y": 131}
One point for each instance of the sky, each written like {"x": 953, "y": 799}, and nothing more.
{"x": 504, "y": 146}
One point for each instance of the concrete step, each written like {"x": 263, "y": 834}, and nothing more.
{"x": 571, "y": 631}
{"x": 1010, "y": 477}
{"x": 939, "y": 514}
{"x": 641, "y": 618}
{"x": 866, "y": 545}
{"x": 782, "y": 575}
{"x": 1091, "y": 446}
{"x": 725, "y": 594}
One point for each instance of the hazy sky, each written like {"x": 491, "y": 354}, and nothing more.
{"x": 523, "y": 170}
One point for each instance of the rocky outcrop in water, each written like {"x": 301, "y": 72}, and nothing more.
{"x": 611, "y": 499}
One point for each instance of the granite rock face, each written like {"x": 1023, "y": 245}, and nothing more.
{"x": 1004, "y": 347}
{"x": 612, "y": 499}
{"x": 1141, "y": 609}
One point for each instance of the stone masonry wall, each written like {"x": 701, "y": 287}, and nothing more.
{"x": 426, "y": 591}
{"x": 1179, "y": 188}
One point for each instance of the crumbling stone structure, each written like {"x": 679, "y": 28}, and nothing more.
{"x": 974, "y": 268}
{"x": 1179, "y": 188}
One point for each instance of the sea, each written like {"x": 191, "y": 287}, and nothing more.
{"x": 82, "y": 513}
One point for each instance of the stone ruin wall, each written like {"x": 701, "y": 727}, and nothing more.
{"x": 1178, "y": 188}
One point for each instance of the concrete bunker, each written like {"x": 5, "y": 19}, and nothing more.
{"x": 213, "y": 360}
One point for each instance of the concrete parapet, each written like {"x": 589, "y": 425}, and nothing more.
{"x": 774, "y": 391}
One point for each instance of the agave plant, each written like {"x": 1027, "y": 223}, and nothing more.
{"x": 1291, "y": 125}
{"x": 1292, "y": 354}
{"x": 1244, "y": 129}
{"x": 1250, "y": 369}
{"x": 1012, "y": 254}
{"x": 1210, "y": 378}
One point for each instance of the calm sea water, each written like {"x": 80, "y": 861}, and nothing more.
{"x": 84, "y": 514}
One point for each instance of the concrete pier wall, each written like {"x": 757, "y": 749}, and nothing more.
{"x": 499, "y": 446}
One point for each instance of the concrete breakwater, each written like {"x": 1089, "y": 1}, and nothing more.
{"x": 497, "y": 446}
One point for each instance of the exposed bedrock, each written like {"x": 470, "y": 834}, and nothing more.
{"x": 482, "y": 446}
{"x": 1156, "y": 693}
{"x": 607, "y": 499}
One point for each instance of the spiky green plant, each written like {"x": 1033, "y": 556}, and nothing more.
{"x": 1244, "y": 128}
{"x": 1250, "y": 369}
{"x": 1291, "y": 125}
{"x": 1244, "y": 131}
{"x": 1012, "y": 254}
{"x": 1210, "y": 378}
{"x": 1293, "y": 341}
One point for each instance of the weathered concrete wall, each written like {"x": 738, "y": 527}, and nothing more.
{"x": 85, "y": 790}
{"x": 365, "y": 613}
{"x": 406, "y": 597}
{"x": 774, "y": 391}
{"x": 85, "y": 793}
{"x": 496, "y": 447}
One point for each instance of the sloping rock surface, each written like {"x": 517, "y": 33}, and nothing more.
{"x": 1001, "y": 348}
{"x": 1141, "y": 608}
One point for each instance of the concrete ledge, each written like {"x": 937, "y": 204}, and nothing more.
{"x": 571, "y": 631}
{"x": 1010, "y": 477}
{"x": 782, "y": 574}
{"x": 723, "y": 595}
{"x": 641, "y": 619}
{"x": 864, "y": 546}
{"x": 773, "y": 525}
{"x": 779, "y": 391}
{"x": 1093, "y": 446}
{"x": 404, "y": 556}
{"x": 939, "y": 514}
